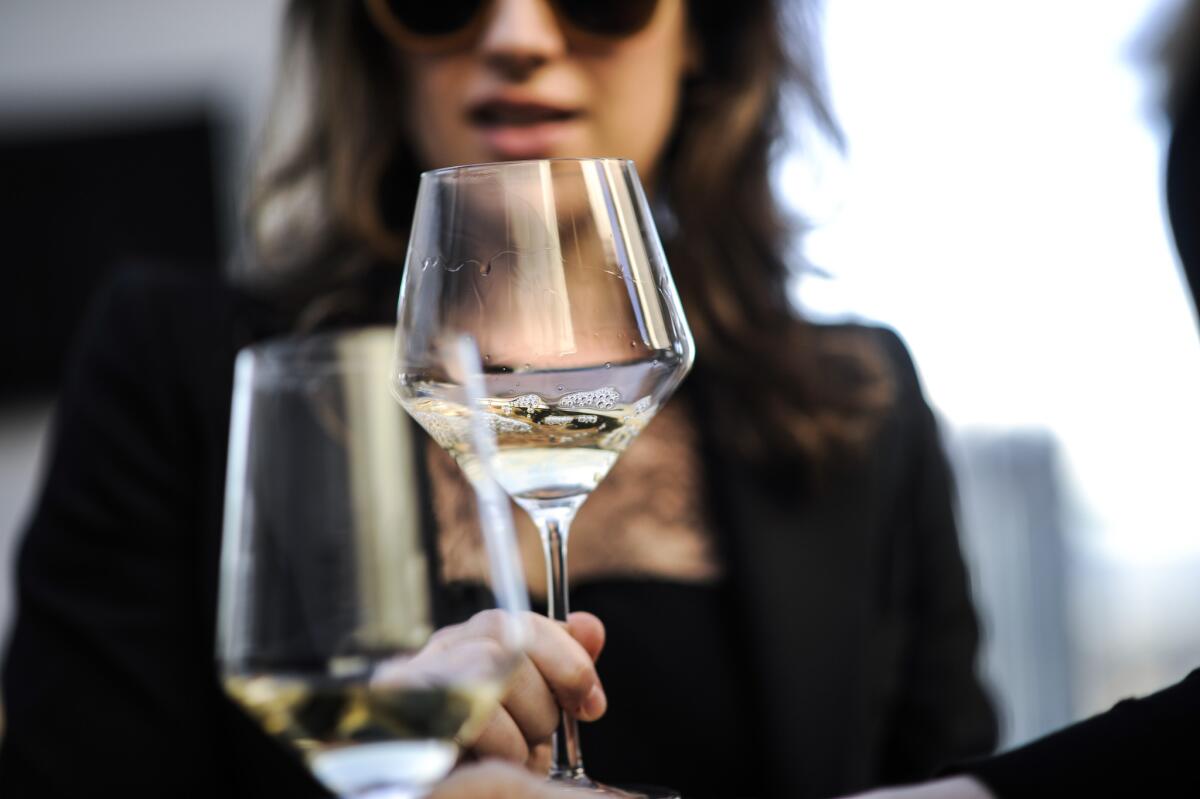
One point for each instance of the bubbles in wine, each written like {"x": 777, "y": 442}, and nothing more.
{"x": 580, "y": 420}
{"x": 445, "y": 430}
{"x": 502, "y": 424}
{"x": 601, "y": 399}
{"x": 528, "y": 402}
{"x": 450, "y": 430}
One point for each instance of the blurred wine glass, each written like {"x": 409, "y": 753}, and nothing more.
{"x": 331, "y": 584}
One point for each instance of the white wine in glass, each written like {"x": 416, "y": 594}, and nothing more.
{"x": 555, "y": 269}
{"x": 331, "y": 585}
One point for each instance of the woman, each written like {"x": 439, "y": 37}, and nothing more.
{"x": 775, "y": 559}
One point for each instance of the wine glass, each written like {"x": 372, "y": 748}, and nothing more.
{"x": 555, "y": 268}
{"x": 332, "y": 584}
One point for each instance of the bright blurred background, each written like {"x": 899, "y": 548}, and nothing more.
{"x": 1000, "y": 204}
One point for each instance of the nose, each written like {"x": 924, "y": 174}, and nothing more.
{"x": 521, "y": 35}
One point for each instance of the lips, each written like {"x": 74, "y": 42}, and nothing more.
{"x": 501, "y": 113}
{"x": 514, "y": 129}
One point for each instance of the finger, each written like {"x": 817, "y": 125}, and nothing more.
{"x": 467, "y": 659}
{"x": 539, "y": 759}
{"x": 531, "y": 703}
{"x": 567, "y": 668}
{"x": 588, "y": 631}
{"x": 502, "y": 738}
{"x": 563, "y": 662}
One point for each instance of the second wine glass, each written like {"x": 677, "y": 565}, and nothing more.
{"x": 556, "y": 270}
{"x": 331, "y": 592}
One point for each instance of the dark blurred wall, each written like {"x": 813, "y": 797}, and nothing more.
{"x": 78, "y": 203}
{"x": 126, "y": 127}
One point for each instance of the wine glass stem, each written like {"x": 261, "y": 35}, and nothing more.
{"x": 554, "y": 525}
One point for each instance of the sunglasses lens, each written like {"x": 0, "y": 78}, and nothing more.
{"x": 433, "y": 17}
{"x": 608, "y": 17}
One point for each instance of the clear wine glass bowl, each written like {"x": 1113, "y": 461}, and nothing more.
{"x": 331, "y": 583}
{"x": 556, "y": 270}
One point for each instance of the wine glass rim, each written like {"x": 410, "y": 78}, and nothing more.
{"x": 311, "y": 352}
{"x": 486, "y": 165}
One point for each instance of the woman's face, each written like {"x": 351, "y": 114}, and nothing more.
{"x": 529, "y": 86}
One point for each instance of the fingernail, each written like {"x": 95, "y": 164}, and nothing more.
{"x": 595, "y": 703}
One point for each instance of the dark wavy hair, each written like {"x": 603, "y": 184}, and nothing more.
{"x": 336, "y": 181}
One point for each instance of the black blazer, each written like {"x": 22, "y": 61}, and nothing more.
{"x": 855, "y": 600}
{"x": 862, "y": 631}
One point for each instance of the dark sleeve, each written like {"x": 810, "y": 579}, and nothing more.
{"x": 1142, "y": 747}
{"x": 943, "y": 712}
{"x": 109, "y": 679}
